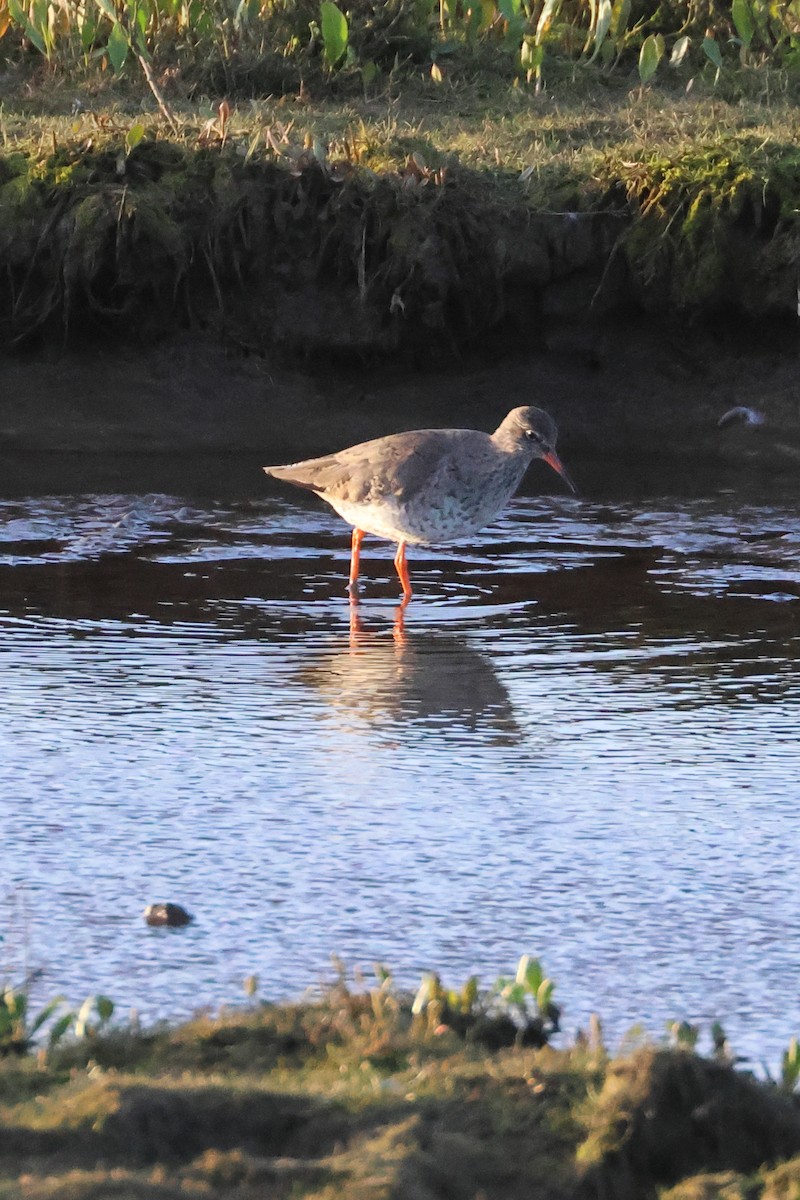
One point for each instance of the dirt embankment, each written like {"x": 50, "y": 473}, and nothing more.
{"x": 332, "y": 260}
{"x": 186, "y": 301}
{"x": 623, "y": 390}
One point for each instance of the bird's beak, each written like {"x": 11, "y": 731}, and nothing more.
{"x": 552, "y": 460}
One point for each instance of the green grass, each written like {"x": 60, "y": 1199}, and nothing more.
{"x": 354, "y": 1097}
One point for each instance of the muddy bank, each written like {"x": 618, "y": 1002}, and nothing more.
{"x": 168, "y": 299}
{"x": 315, "y": 257}
{"x": 625, "y": 390}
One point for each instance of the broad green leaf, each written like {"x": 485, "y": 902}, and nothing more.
{"x": 650, "y": 56}
{"x": 536, "y": 59}
{"x": 88, "y": 32}
{"x": 527, "y": 968}
{"x": 546, "y": 18}
{"x": 60, "y": 1027}
{"x": 474, "y": 13}
{"x": 742, "y": 15}
{"x": 118, "y": 47}
{"x": 509, "y": 9}
{"x": 46, "y": 1013}
{"x": 134, "y": 136}
{"x": 604, "y": 15}
{"x": 680, "y": 50}
{"x": 425, "y": 993}
{"x": 334, "y": 32}
{"x": 82, "y": 1019}
{"x": 369, "y": 72}
{"x": 31, "y": 32}
{"x": 105, "y": 1005}
{"x": 469, "y": 994}
{"x": 544, "y": 995}
{"x": 514, "y": 993}
{"x": 534, "y": 976}
{"x": 107, "y": 7}
{"x": 16, "y": 14}
{"x": 39, "y": 15}
{"x": 620, "y": 18}
{"x": 16, "y": 1003}
{"x": 712, "y": 52}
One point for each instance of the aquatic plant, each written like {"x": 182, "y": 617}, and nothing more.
{"x": 790, "y": 1066}
{"x": 517, "y": 1010}
{"x": 19, "y": 1025}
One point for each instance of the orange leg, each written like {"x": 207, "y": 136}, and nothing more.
{"x": 399, "y": 627}
{"x": 355, "y": 560}
{"x": 401, "y": 567}
{"x": 356, "y": 630}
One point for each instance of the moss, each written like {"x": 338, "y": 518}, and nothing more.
{"x": 726, "y": 1185}
{"x": 703, "y": 219}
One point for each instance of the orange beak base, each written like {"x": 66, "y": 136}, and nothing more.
{"x": 552, "y": 460}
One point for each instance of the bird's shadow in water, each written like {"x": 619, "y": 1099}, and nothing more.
{"x": 388, "y": 678}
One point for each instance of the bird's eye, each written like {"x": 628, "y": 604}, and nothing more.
{"x": 533, "y": 436}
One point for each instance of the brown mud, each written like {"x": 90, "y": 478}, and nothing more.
{"x": 621, "y": 390}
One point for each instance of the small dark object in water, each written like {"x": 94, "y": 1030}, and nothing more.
{"x": 166, "y": 914}
{"x": 742, "y": 415}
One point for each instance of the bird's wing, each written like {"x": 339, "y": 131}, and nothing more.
{"x": 399, "y": 465}
{"x": 317, "y": 474}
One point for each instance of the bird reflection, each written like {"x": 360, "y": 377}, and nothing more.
{"x": 388, "y": 678}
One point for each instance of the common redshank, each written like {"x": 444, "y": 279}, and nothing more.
{"x": 429, "y": 485}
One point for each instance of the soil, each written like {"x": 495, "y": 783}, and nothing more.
{"x": 620, "y": 389}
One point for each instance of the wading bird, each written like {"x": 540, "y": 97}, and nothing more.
{"x": 429, "y": 485}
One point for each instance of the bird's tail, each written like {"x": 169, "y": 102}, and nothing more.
{"x": 316, "y": 474}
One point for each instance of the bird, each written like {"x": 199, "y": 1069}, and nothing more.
{"x": 427, "y": 486}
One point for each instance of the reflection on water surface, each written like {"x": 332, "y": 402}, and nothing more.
{"x": 581, "y": 742}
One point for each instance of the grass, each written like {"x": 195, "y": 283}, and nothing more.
{"x": 417, "y": 210}
{"x": 482, "y": 122}
{"x": 355, "y": 1097}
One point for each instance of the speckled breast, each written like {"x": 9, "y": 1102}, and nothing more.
{"x": 435, "y": 513}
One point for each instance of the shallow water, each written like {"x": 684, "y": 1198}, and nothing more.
{"x": 581, "y": 742}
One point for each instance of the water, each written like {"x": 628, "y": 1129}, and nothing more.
{"x": 581, "y": 742}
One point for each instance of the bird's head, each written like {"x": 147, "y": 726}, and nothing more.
{"x": 533, "y": 432}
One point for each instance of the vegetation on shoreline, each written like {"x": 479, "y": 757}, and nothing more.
{"x": 405, "y": 185}
{"x": 371, "y": 1093}
{"x": 248, "y": 47}
{"x": 358, "y": 230}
